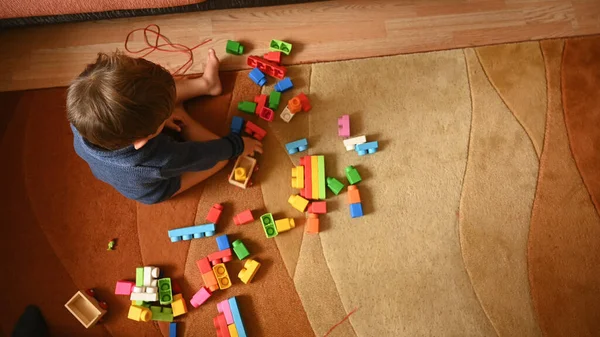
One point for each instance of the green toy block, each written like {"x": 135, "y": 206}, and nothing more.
{"x": 282, "y": 46}
{"x": 142, "y": 304}
{"x": 234, "y": 47}
{"x": 139, "y": 277}
{"x": 165, "y": 293}
{"x": 334, "y": 185}
{"x": 269, "y": 225}
{"x": 162, "y": 314}
{"x": 274, "y": 99}
{"x": 352, "y": 175}
{"x": 240, "y": 249}
{"x": 321, "y": 166}
{"x": 247, "y": 107}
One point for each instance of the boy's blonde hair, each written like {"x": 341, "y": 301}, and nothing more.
{"x": 118, "y": 99}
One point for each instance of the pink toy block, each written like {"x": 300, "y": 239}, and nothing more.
{"x": 344, "y": 126}
{"x": 223, "y": 307}
{"x": 243, "y": 218}
{"x": 318, "y": 207}
{"x": 215, "y": 213}
{"x": 200, "y": 297}
{"x": 220, "y": 256}
{"x": 124, "y": 287}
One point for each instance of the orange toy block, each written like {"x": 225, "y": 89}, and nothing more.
{"x": 220, "y": 256}
{"x": 353, "y": 195}
{"x": 294, "y": 105}
{"x": 312, "y": 223}
{"x": 222, "y": 276}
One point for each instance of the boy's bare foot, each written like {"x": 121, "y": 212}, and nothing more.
{"x": 211, "y": 74}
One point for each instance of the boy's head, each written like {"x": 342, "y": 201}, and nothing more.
{"x": 119, "y": 100}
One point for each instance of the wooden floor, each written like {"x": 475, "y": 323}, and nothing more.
{"x": 50, "y": 56}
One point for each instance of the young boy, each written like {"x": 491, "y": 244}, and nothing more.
{"x": 118, "y": 107}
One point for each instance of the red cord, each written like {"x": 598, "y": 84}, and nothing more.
{"x": 172, "y": 47}
{"x": 340, "y": 322}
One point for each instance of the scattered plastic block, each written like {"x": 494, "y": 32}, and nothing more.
{"x": 150, "y": 273}
{"x": 161, "y": 314}
{"x": 274, "y": 99}
{"x": 294, "y": 105}
{"x": 146, "y": 297}
{"x": 192, "y": 232}
{"x": 334, "y": 185}
{"x": 124, "y": 287}
{"x": 318, "y": 207}
{"x": 312, "y": 223}
{"x": 215, "y": 213}
{"x": 201, "y": 296}
{"x": 237, "y": 317}
{"x": 266, "y": 114}
{"x": 139, "y": 276}
{"x": 139, "y": 314}
{"x": 247, "y": 107}
{"x": 165, "y": 292}
{"x": 286, "y": 115}
{"x": 220, "y": 256}
{"x": 247, "y": 273}
{"x": 260, "y": 100}
{"x": 284, "y": 225}
{"x": 356, "y": 210}
{"x": 233, "y": 330}
{"x": 284, "y": 85}
{"x": 223, "y": 242}
{"x": 240, "y": 249}
{"x": 274, "y": 56}
{"x": 352, "y": 175}
{"x": 255, "y": 131}
{"x": 351, "y": 143}
{"x": 234, "y": 47}
{"x": 237, "y": 124}
{"x": 268, "y": 224}
{"x": 270, "y": 68}
{"x": 344, "y": 126}
{"x": 178, "y": 305}
{"x": 208, "y": 276}
{"x": 282, "y": 46}
{"x": 223, "y": 307}
{"x": 221, "y": 326}
{"x": 366, "y": 148}
{"x": 305, "y": 102}
{"x": 298, "y": 202}
{"x": 222, "y": 276}
{"x": 297, "y": 146}
{"x": 298, "y": 177}
{"x": 353, "y": 195}
{"x": 173, "y": 329}
{"x": 258, "y": 77}
{"x": 243, "y": 218}
{"x": 203, "y": 265}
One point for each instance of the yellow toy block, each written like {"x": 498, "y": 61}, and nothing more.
{"x": 249, "y": 270}
{"x": 140, "y": 314}
{"x": 298, "y": 202}
{"x": 314, "y": 170}
{"x": 239, "y": 174}
{"x": 178, "y": 305}
{"x": 284, "y": 225}
{"x": 222, "y": 276}
{"x": 232, "y": 330}
{"x": 298, "y": 177}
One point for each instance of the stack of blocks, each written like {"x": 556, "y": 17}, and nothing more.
{"x": 228, "y": 322}
{"x": 354, "y": 201}
{"x": 360, "y": 145}
{"x": 314, "y": 177}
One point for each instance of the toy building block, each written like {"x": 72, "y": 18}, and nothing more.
{"x": 356, "y": 210}
{"x": 344, "y": 126}
{"x": 334, "y": 185}
{"x": 351, "y": 143}
{"x": 255, "y": 131}
{"x": 294, "y": 105}
{"x": 312, "y": 223}
{"x": 274, "y": 99}
{"x": 318, "y": 207}
{"x": 249, "y": 165}
{"x": 111, "y": 244}
{"x": 150, "y": 274}
{"x": 210, "y": 281}
{"x": 175, "y": 287}
{"x": 352, "y": 175}
{"x": 223, "y": 242}
{"x": 222, "y": 276}
{"x": 192, "y": 232}
{"x": 258, "y": 77}
{"x": 305, "y": 102}
{"x": 140, "y": 314}
{"x": 239, "y": 174}
{"x": 270, "y": 68}
{"x": 139, "y": 276}
{"x": 274, "y": 56}
{"x": 353, "y": 195}
{"x": 220, "y": 256}
{"x": 284, "y": 85}
{"x": 282, "y": 46}
{"x": 297, "y": 146}
{"x": 178, "y": 305}
{"x": 240, "y": 249}
{"x": 237, "y": 124}
{"x": 203, "y": 265}
{"x": 237, "y": 317}
{"x": 161, "y": 314}
{"x": 247, "y": 273}
{"x": 284, "y": 225}
{"x": 233, "y": 331}
{"x": 243, "y": 218}
{"x": 201, "y": 296}
{"x": 173, "y": 329}
{"x": 234, "y": 47}
{"x": 370, "y": 148}
{"x": 287, "y": 115}
{"x": 321, "y": 177}
{"x": 124, "y": 287}
{"x": 298, "y": 202}
{"x": 221, "y": 326}
{"x": 268, "y": 224}
{"x": 143, "y": 296}
{"x": 165, "y": 292}
{"x": 85, "y": 308}
{"x": 215, "y": 213}
{"x": 247, "y": 107}
{"x": 223, "y": 307}
{"x": 318, "y": 177}
{"x": 298, "y": 177}
{"x": 266, "y": 114}
{"x": 307, "y": 191}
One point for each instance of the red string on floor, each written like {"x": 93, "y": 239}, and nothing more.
{"x": 152, "y": 36}
{"x": 340, "y": 322}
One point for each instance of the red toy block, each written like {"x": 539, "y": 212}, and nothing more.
{"x": 255, "y": 131}
{"x": 318, "y": 207}
{"x": 221, "y": 325}
{"x": 266, "y": 114}
{"x": 175, "y": 287}
{"x": 305, "y": 102}
{"x": 220, "y": 256}
{"x": 274, "y": 56}
{"x": 243, "y": 218}
{"x": 261, "y": 100}
{"x": 306, "y": 192}
{"x": 204, "y": 265}
{"x": 267, "y": 67}
{"x": 215, "y": 213}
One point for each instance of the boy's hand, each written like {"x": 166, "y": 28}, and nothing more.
{"x": 251, "y": 145}
{"x": 176, "y": 121}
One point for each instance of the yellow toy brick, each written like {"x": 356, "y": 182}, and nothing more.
{"x": 178, "y": 305}
{"x": 239, "y": 174}
{"x": 249, "y": 270}
{"x": 222, "y": 276}
{"x": 232, "y": 330}
{"x": 284, "y": 225}
{"x": 314, "y": 164}
{"x": 140, "y": 314}
{"x": 298, "y": 202}
{"x": 298, "y": 177}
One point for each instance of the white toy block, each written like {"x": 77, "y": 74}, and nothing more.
{"x": 151, "y": 290}
{"x": 150, "y": 274}
{"x": 138, "y": 290}
{"x": 146, "y": 297}
{"x": 154, "y": 283}
{"x": 350, "y": 143}
{"x": 155, "y": 272}
{"x": 286, "y": 115}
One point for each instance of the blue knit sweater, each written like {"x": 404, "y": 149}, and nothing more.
{"x": 153, "y": 173}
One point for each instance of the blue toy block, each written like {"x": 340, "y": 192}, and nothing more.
{"x": 284, "y": 85}
{"x": 297, "y": 146}
{"x": 356, "y": 210}
{"x": 258, "y": 77}
{"x": 363, "y": 149}
{"x": 172, "y": 329}
{"x": 237, "y": 317}
{"x": 223, "y": 242}
{"x": 192, "y": 232}
{"x": 237, "y": 124}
